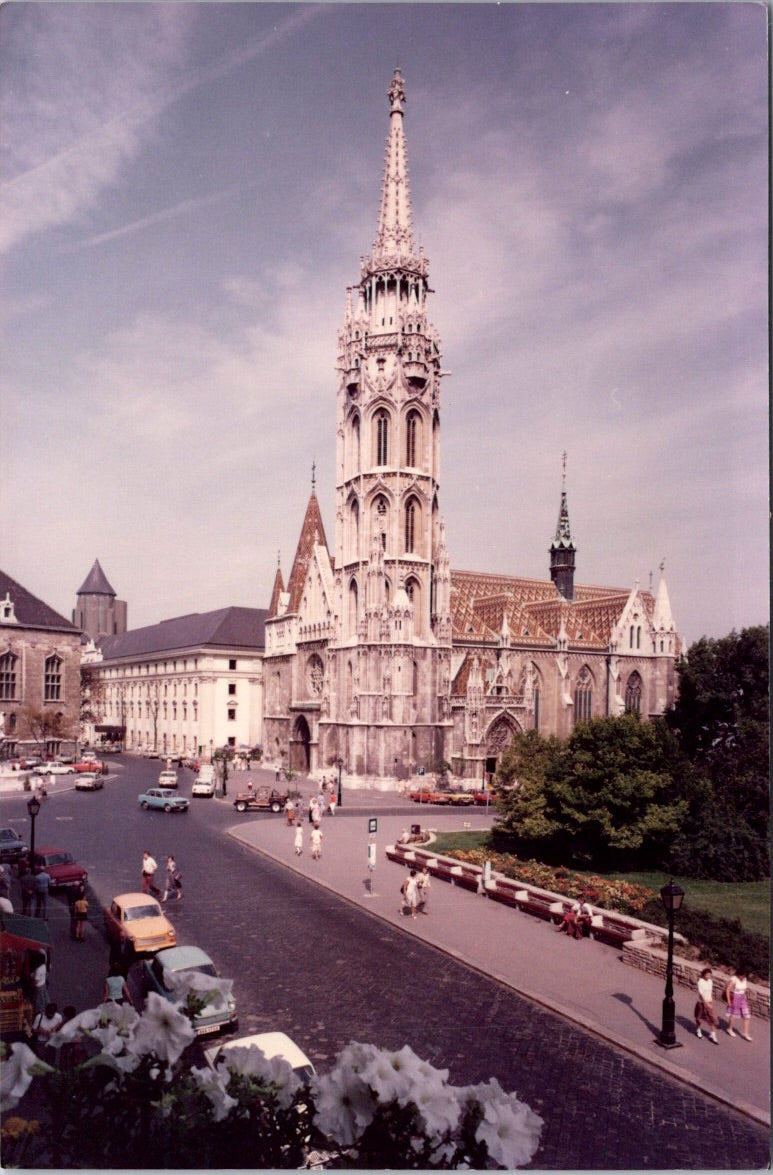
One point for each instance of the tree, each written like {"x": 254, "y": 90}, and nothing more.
{"x": 613, "y": 794}
{"x": 42, "y": 726}
{"x": 721, "y": 718}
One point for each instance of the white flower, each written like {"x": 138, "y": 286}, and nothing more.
{"x": 162, "y": 1029}
{"x": 345, "y": 1106}
{"x": 510, "y": 1129}
{"x": 213, "y": 991}
{"x": 439, "y": 1107}
{"x": 80, "y": 1025}
{"x": 251, "y": 1061}
{"x": 16, "y": 1074}
{"x": 213, "y": 1084}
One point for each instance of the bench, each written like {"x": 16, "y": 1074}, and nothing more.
{"x": 540, "y": 907}
{"x": 613, "y": 932}
{"x": 468, "y": 877}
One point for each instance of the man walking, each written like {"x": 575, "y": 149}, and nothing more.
{"x": 149, "y": 867}
{"x": 316, "y": 842}
{"x": 42, "y": 885}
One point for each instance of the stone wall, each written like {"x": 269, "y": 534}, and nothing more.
{"x": 648, "y": 957}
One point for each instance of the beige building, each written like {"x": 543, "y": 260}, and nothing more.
{"x": 378, "y": 655}
{"x": 40, "y": 656}
{"x": 186, "y": 686}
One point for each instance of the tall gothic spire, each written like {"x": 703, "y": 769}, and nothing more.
{"x": 395, "y": 229}
{"x": 562, "y": 548}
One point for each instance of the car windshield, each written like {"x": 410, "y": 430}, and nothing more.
{"x": 134, "y": 912}
{"x": 57, "y": 859}
{"x": 201, "y": 969}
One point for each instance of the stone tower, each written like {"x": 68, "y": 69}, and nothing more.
{"x": 97, "y": 612}
{"x": 562, "y": 549}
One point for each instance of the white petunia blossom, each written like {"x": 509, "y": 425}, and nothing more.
{"x": 162, "y": 1029}
{"x": 251, "y": 1061}
{"x": 16, "y": 1074}
{"x": 344, "y": 1104}
{"x": 510, "y": 1129}
{"x": 213, "y": 1084}
{"x": 210, "y": 988}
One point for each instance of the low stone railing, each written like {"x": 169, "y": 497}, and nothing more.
{"x": 649, "y": 956}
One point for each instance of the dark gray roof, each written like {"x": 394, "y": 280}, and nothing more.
{"x": 240, "y": 628}
{"x": 30, "y": 612}
{"x": 95, "y": 583}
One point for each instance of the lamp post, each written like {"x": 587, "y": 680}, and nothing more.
{"x": 33, "y": 807}
{"x": 339, "y": 765}
{"x": 671, "y": 895}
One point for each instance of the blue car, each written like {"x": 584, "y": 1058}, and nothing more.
{"x": 158, "y": 972}
{"x": 163, "y": 798}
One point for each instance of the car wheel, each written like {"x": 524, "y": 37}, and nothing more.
{"x": 167, "y": 807}
{"x": 276, "y": 807}
{"x": 242, "y": 807}
{"x": 144, "y": 805}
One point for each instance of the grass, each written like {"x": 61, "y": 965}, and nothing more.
{"x": 749, "y": 901}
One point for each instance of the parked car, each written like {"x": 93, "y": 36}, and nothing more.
{"x": 206, "y": 772}
{"x": 54, "y": 769}
{"x": 261, "y": 798}
{"x": 167, "y": 779}
{"x": 163, "y": 798}
{"x": 203, "y": 787}
{"x": 12, "y": 847}
{"x": 89, "y": 765}
{"x": 92, "y": 755}
{"x": 175, "y": 961}
{"x": 272, "y": 1044}
{"x": 61, "y": 867}
{"x": 89, "y": 781}
{"x": 137, "y": 920}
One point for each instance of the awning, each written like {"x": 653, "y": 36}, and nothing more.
{"x": 20, "y": 932}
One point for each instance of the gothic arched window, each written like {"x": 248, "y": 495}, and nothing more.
{"x": 633, "y": 691}
{"x": 410, "y": 526}
{"x": 382, "y": 438}
{"x": 52, "y": 679}
{"x": 8, "y": 677}
{"x": 411, "y": 438}
{"x": 583, "y": 696}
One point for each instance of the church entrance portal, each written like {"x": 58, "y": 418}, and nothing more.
{"x": 498, "y": 739}
{"x": 300, "y": 746}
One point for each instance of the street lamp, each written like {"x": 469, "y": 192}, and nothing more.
{"x": 339, "y": 765}
{"x": 671, "y": 896}
{"x": 33, "y": 807}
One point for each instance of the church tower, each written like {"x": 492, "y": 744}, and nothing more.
{"x": 391, "y": 563}
{"x": 562, "y": 549}
{"x": 97, "y": 611}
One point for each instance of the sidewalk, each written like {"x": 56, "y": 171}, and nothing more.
{"x": 586, "y": 982}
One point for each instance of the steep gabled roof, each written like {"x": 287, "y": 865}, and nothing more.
{"x": 312, "y": 532}
{"x": 95, "y": 583}
{"x": 239, "y": 628}
{"x": 278, "y": 589}
{"x": 29, "y": 611}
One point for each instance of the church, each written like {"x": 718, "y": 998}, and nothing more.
{"x": 380, "y": 659}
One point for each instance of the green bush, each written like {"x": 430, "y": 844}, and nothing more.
{"x": 723, "y": 942}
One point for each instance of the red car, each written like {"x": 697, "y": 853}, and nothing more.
{"x": 91, "y": 765}
{"x": 61, "y": 867}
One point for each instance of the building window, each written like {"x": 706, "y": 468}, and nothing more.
{"x": 52, "y": 679}
{"x": 231, "y": 688}
{"x": 583, "y": 696}
{"x": 231, "y": 715}
{"x": 411, "y": 430}
{"x": 633, "y": 694}
{"x": 410, "y": 526}
{"x": 382, "y": 438}
{"x": 8, "y": 677}
{"x": 232, "y": 664}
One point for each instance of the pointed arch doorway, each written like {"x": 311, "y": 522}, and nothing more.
{"x": 300, "y": 746}
{"x": 499, "y": 738}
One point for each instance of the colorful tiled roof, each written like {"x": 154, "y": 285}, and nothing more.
{"x": 279, "y": 587}
{"x": 312, "y": 532}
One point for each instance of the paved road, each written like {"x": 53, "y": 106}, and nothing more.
{"x": 326, "y": 972}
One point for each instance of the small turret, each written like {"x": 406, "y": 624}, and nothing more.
{"x": 562, "y": 549}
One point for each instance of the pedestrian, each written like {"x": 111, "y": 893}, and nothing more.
{"x": 174, "y": 880}
{"x": 250, "y": 787}
{"x": 45, "y": 1024}
{"x": 79, "y": 912}
{"x": 39, "y": 981}
{"x": 42, "y": 886}
{"x": 149, "y": 867}
{"x": 5, "y": 886}
{"x": 424, "y": 885}
{"x": 27, "y": 893}
{"x": 410, "y": 892}
{"x": 116, "y": 988}
{"x": 737, "y": 1003}
{"x": 316, "y": 842}
{"x": 289, "y": 812}
{"x": 298, "y": 839}
{"x": 704, "y": 1008}
{"x": 331, "y": 803}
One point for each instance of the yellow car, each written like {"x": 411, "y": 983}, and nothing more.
{"x": 137, "y": 920}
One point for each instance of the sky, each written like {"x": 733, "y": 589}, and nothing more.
{"x": 186, "y": 193}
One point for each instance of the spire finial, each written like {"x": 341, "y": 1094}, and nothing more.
{"x": 563, "y": 470}
{"x": 394, "y": 235}
{"x": 313, "y": 475}
{"x": 279, "y": 558}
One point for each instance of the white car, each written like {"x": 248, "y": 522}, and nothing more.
{"x": 272, "y": 1044}
{"x": 203, "y": 787}
{"x": 54, "y": 769}
{"x": 167, "y": 779}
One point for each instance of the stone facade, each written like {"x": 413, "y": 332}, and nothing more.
{"x": 378, "y": 655}
{"x": 39, "y": 676}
